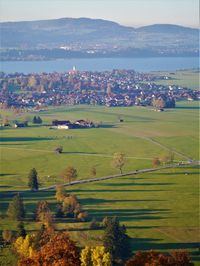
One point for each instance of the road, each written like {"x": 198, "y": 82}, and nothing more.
{"x": 98, "y": 179}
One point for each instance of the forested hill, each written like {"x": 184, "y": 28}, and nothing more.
{"x": 98, "y": 36}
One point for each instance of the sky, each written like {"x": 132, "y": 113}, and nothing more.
{"x": 126, "y": 12}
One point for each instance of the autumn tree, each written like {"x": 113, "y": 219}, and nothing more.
{"x": 96, "y": 256}
{"x": 58, "y": 250}
{"x": 7, "y": 236}
{"x": 6, "y": 121}
{"x": 93, "y": 171}
{"x": 82, "y": 216}
{"x": 21, "y": 230}
{"x": 33, "y": 180}
{"x": 156, "y": 162}
{"x": 86, "y": 256}
{"x": 71, "y": 206}
{"x": 32, "y": 82}
{"x": 176, "y": 258}
{"x": 115, "y": 239}
{"x": 158, "y": 103}
{"x": 94, "y": 224}
{"x": 23, "y": 246}
{"x": 43, "y": 213}
{"x": 167, "y": 158}
{"x": 39, "y": 235}
{"x": 119, "y": 160}
{"x": 69, "y": 173}
{"x": 60, "y": 193}
{"x": 16, "y": 209}
{"x": 101, "y": 257}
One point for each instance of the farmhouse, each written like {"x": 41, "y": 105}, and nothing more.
{"x": 63, "y": 127}
{"x": 84, "y": 123}
{"x": 20, "y": 125}
{"x": 66, "y": 124}
{"x": 60, "y": 122}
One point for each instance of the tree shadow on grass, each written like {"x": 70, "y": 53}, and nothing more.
{"x": 155, "y": 244}
{"x": 136, "y": 184}
{"x": 80, "y": 152}
{"x": 179, "y": 173}
{"x": 94, "y": 201}
{"x": 188, "y": 107}
{"x": 107, "y": 126}
{"x": 130, "y": 215}
{"x": 10, "y": 139}
{"x": 115, "y": 190}
{"x": 6, "y": 175}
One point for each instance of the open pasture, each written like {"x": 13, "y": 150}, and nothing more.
{"x": 184, "y": 78}
{"x": 159, "y": 209}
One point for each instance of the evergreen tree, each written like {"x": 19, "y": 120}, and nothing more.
{"x": 115, "y": 239}
{"x": 39, "y": 120}
{"x": 16, "y": 209}
{"x": 21, "y": 230}
{"x": 33, "y": 180}
{"x": 34, "y": 120}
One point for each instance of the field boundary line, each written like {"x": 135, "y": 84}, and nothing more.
{"x": 167, "y": 148}
{"x": 77, "y": 153}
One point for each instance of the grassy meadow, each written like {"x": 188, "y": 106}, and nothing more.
{"x": 184, "y": 78}
{"x": 160, "y": 209}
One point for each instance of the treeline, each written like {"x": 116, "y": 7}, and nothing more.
{"x": 48, "y": 246}
{"x": 47, "y": 54}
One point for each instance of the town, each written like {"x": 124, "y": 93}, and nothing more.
{"x": 108, "y": 88}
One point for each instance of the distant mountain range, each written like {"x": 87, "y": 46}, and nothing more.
{"x": 87, "y": 37}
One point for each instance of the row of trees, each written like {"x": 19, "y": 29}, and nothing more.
{"x": 164, "y": 159}
{"x": 160, "y": 103}
{"x": 35, "y": 120}
{"x": 48, "y": 247}
{"x": 118, "y": 162}
{"x": 70, "y": 172}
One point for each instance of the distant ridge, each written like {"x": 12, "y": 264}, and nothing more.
{"x": 82, "y": 34}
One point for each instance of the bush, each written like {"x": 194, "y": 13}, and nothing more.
{"x": 94, "y": 224}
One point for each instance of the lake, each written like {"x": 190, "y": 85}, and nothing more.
{"x": 101, "y": 64}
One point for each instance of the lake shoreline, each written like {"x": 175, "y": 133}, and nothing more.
{"x": 142, "y": 64}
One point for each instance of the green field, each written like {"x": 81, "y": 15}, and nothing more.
{"x": 184, "y": 78}
{"x": 160, "y": 209}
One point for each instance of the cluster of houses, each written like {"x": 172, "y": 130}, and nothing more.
{"x": 58, "y": 124}
{"x": 66, "y": 124}
{"x": 108, "y": 88}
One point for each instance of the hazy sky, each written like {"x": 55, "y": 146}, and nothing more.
{"x": 126, "y": 12}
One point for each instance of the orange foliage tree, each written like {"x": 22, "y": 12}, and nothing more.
{"x": 152, "y": 258}
{"x": 58, "y": 251}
